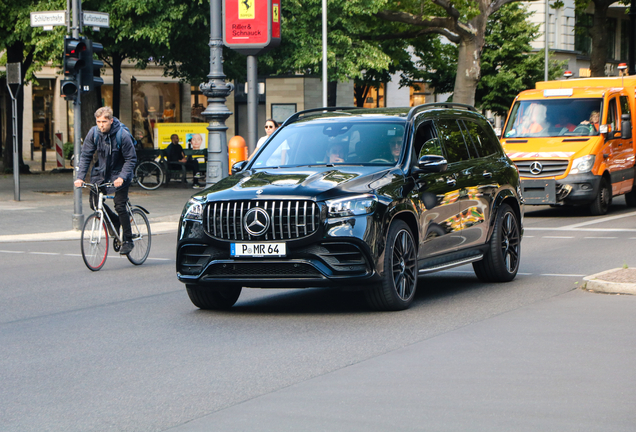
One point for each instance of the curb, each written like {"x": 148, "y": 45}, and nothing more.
{"x": 155, "y": 228}
{"x": 596, "y": 283}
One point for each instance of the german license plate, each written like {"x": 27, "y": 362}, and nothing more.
{"x": 258, "y": 249}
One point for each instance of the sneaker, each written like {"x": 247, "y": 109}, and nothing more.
{"x": 197, "y": 186}
{"x": 126, "y": 248}
{"x": 199, "y": 175}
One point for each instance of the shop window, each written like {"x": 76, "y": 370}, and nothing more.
{"x": 369, "y": 97}
{"x": 153, "y": 102}
{"x": 107, "y": 95}
{"x": 418, "y": 94}
{"x": 43, "y": 113}
{"x": 198, "y": 103}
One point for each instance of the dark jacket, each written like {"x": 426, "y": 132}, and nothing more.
{"x": 112, "y": 162}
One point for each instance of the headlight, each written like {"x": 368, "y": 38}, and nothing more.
{"x": 193, "y": 210}
{"x": 582, "y": 165}
{"x": 351, "y": 206}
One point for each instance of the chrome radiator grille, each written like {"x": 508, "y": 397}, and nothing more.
{"x": 289, "y": 219}
{"x": 542, "y": 168}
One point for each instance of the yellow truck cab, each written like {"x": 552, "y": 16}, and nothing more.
{"x": 572, "y": 142}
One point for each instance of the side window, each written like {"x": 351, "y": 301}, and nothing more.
{"x": 483, "y": 142}
{"x": 625, "y": 105}
{"x": 612, "y": 114}
{"x": 426, "y": 141}
{"x": 453, "y": 140}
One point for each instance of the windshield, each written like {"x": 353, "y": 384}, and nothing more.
{"x": 557, "y": 117}
{"x": 333, "y": 143}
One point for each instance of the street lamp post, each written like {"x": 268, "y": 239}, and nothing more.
{"x": 216, "y": 90}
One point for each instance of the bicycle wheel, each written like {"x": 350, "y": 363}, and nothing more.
{"x": 149, "y": 175}
{"x": 94, "y": 243}
{"x": 141, "y": 237}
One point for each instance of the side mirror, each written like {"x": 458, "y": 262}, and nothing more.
{"x": 431, "y": 164}
{"x": 626, "y": 126}
{"x": 238, "y": 166}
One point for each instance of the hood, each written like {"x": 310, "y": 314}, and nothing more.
{"x": 549, "y": 147}
{"x": 317, "y": 182}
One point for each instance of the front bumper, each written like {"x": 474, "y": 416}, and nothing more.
{"x": 576, "y": 189}
{"x": 328, "y": 260}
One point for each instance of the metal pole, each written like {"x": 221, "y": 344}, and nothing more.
{"x": 78, "y": 216}
{"x": 16, "y": 162}
{"x": 252, "y": 103}
{"x": 324, "y": 53}
{"x": 632, "y": 39}
{"x": 216, "y": 90}
{"x": 547, "y": 51}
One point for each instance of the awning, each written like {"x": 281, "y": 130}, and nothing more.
{"x": 159, "y": 79}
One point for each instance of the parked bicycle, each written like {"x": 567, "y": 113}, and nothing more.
{"x": 99, "y": 226}
{"x": 149, "y": 174}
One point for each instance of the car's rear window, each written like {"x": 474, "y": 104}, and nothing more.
{"x": 333, "y": 143}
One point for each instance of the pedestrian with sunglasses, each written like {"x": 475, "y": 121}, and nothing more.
{"x": 270, "y": 126}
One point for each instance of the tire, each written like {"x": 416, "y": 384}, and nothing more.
{"x": 217, "y": 298}
{"x": 603, "y": 198}
{"x": 94, "y": 243}
{"x": 141, "y": 237}
{"x": 396, "y": 291}
{"x": 501, "y": 261}
{"x": 149, "y": 175}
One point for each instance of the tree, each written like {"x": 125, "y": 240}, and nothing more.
{"x": 32, "y": 48}
{"x": 461, "y": 22}
{"x": 507, "y": 64}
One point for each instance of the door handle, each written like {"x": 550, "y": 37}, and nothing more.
{"x": 487, "y": 175}
{"x": 451, "y": 181}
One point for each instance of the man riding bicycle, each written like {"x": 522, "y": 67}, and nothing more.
{"x": 116, "y": 164}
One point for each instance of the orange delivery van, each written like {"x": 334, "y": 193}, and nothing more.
{"x": 572, "y": 142}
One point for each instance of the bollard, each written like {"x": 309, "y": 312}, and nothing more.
{"x": 43, "y": 147}
{"x": 32, "y": 148}
{"x": 236, "y": 150}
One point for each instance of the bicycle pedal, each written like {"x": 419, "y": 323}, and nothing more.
{"x": 116, "y": 245}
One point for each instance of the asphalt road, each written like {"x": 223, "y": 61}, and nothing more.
{"x": 123, "y": 349}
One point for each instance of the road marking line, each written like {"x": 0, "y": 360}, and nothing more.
{"x": 15, "y": 252}
{"x": 562, "y": 275}
{"x": 44, "y": 253}
{"x": 604, "y": 238}
{"x": 601, "y": 220}
{"x": 580, "y": 229}
{"x": 558, "y": 237}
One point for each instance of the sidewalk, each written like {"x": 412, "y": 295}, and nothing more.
{"x": 46, "y": 206}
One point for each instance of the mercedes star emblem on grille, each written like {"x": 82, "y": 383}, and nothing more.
{"x": 536, "y": 168}
{"x": 256, "y": 221}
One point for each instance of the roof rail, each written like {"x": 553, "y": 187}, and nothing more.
{"x": 423, "y": 107}
{"x": 297, "y": 115}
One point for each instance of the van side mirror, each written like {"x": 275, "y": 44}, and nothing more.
{"x": 626, "y": 126}
{"x": 430, "y": 164}
{"x": 238, "y": 166}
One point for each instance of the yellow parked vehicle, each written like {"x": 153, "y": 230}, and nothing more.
{"x": 572, "y": 142}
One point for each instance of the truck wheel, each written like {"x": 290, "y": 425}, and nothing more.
{"x": 217, "y": 298}
{"x": 399, "y": 281}
{"x": 630, "y": 197}
{"x": 603, "y": 198}
{"x": 501, "y": 260}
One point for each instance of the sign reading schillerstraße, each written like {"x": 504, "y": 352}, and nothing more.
{"x": 48, "y": 18}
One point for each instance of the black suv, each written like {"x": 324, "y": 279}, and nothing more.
{"x": 365, "y": 199}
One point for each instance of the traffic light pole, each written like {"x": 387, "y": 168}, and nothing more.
{"x": 78, "y": 216}
{"x": 216, "y": 90}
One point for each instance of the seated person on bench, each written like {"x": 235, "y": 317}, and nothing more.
{"x": 175, "y": 154}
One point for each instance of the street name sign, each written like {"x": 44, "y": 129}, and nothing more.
{"x": 48, "y": 19}
{"x": 96, "y": 19}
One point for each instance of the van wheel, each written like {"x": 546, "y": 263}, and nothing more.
{"x": 501, "y": 261}
{"x": 399, "y": 281}
{"x": 630, "y": 197}
{"x": 603, "y": 198}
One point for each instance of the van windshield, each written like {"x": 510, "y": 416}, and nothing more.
{"x": 556, "y": 117}
{"x": 333, "y": 143}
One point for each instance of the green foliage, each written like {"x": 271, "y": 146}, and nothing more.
{"x": 507, "y": 64}
{"x": 67, "y": 150}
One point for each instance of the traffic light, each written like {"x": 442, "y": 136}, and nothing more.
{"x": 91, "y": 68}
{"x": 73, "y": 64}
